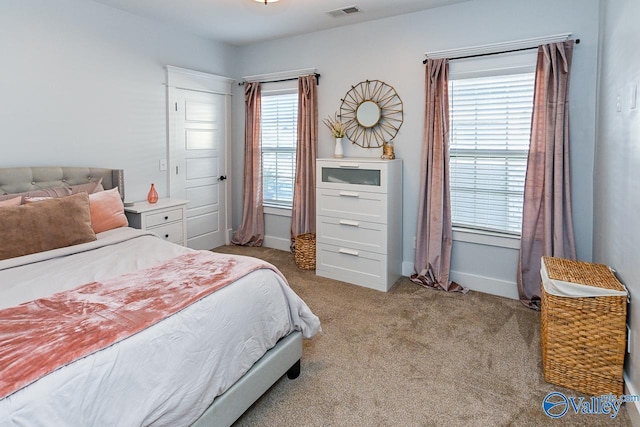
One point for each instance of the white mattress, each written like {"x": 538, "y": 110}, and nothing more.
{"x": 169, "y": 373}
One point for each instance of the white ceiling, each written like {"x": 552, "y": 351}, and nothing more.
{"x": 240, "y": 22}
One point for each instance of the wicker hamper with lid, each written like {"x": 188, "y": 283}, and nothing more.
{"x": 583, "y": 337}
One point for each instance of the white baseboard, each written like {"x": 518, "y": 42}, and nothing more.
{"x": 487, "y": 285}
{"x": 633, "y": 408}
{"x": 277, "y": 243}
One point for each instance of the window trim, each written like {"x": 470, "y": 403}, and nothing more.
{"x": 280, "y": 91}
{"x": 269, "y": 209}
{"x": 484, "y": 237}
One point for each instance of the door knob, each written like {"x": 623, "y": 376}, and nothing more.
{"x": 222, "y": 177}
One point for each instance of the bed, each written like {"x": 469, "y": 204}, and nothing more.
{"x": 204, "y": 363}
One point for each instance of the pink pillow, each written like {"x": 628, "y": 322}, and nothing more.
{"x": 45, "y": 192}
{"x": 89, "y": 188}
{"x": 107, "y": 211}
{"x": 28, "y": 200}
{"x": 11, "y": 202}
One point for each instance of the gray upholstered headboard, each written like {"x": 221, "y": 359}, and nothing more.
{"x": 20, "y": 180}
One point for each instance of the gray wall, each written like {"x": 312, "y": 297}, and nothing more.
{"x": 82, "y": 84}
{"x": 392, "y": 50}
{"x": 617, "y": 193}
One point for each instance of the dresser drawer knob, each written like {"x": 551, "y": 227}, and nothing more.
{"x": 349, "y": 223}
{"x": 166, "y": 236}
{"x": 166, "y": 218}
{"x": 348, "y": 252}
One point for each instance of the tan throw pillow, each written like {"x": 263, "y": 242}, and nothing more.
{"x": 107, "y": 211}
{"x": 14, "y": 201}
{"x": 46, "y": 225}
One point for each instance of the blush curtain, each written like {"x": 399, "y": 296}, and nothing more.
{"x": 303, "y": 213}
{"x": 547, "y": 227}
{"x": 434, "y": 233}
{"x": 251, "y": 231}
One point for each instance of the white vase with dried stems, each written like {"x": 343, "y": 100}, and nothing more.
{"x": 338, "y": 152}
{"x": 338, "y": 130}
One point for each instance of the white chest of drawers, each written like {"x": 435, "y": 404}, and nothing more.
{"x": 359, "y": 221}
{"x": 167, "y": 218}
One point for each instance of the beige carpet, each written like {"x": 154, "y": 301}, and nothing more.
{"x": 411, "y": 357}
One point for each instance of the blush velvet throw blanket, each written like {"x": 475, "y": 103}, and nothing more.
{"x": 41, "y": 336}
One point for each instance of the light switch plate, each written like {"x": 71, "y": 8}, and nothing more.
{"x": 163, "y": 164}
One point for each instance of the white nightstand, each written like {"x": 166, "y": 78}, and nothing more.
{"x": 167, "y": 218}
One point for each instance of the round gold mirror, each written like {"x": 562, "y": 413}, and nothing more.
{"x": 372, "y": 113}
{"x": 368, "y": 114}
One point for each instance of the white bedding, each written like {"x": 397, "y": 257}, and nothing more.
{"x": 169, "y": 373}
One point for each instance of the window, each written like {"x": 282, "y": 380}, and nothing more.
{"x": 490, "y": 126}
{"x": 279, "y": 125}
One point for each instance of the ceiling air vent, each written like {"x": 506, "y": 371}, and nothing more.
{"x": 343, "y": 11}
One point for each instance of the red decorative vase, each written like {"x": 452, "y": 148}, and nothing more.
{"x": 152, "y": 197}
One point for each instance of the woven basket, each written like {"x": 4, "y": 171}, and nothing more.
{"x": 305, "y": 252}
{"x": 583, "y": 339}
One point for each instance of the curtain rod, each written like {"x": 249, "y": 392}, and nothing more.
{"x": 285, "y": 80}
{"x": 495, "y": 53}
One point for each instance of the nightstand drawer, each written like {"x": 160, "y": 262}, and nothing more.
{"x": 170, "y": 232}
{"x": 170, "y": 215}
{"x": 356, "y": 205}
{"x": 166, "y": 218}
{"x": 368, "y": 236}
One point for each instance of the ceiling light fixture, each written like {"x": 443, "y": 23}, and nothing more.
{"x": 266, "y": 1}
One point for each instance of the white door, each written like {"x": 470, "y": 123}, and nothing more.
{"x": 197, "y": 165}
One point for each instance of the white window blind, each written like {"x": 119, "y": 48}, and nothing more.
{"x": 490, "y": 126}
{"x": 279, "y": 123}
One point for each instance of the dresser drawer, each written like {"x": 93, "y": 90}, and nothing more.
{"x": 163, "y": 217}
{"x": 368, "y": 236}
{"x": 351, "y": 265}
{"x": 170, "y": 232}
{"x": 362, "y": 174}
{"x": 349, "y": 204}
